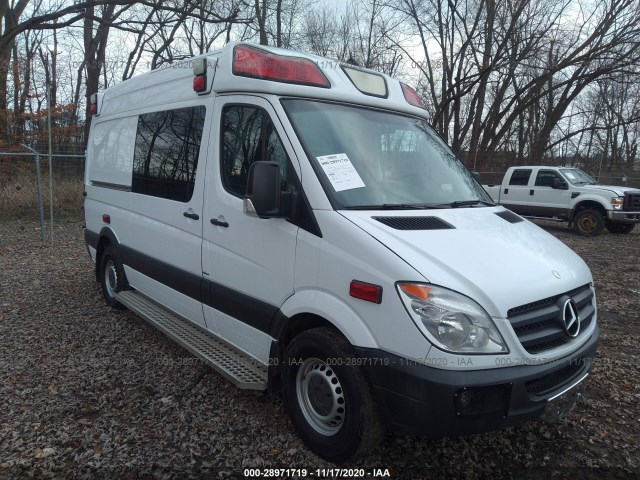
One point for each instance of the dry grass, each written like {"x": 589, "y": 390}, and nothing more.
{"x": 19, "y": 196}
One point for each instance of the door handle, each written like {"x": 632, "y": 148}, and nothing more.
{"x": 192, "y": 216}
{"x": 219, "y": 223}
{"x": 530, "y": 192}
{"x": 506, "y": 191}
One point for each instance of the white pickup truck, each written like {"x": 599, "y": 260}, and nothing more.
{"x": 569, "y": 195}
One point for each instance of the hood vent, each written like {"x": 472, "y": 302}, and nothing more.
{"x": 510, "y": 217}
{"x": 415, "y": 223}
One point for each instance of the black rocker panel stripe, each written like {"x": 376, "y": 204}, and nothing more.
{"x": 247, "y": 309}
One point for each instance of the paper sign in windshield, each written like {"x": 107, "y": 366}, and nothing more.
{"x": 340, "y": 171}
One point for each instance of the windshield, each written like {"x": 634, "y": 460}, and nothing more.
{"x": 372, "y": 159}
{"x": 577, "y": 176}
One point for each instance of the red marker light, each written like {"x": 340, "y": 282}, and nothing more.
{"x": 106, "y": 218}
{"x": 411, "y": 96}
{"x": 257, "y": 63}
{"x": 366, "y": 291}
{"x": 200, "y": 83}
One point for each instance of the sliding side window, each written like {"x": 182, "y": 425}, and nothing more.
{"x": 166, "y": 153}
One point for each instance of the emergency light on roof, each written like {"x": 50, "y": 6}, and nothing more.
{"x": 257, "y": 63}
{"x": 93, "y": 104}
{"x": 368, "y": 83}
{"x": 411, "y": 96}
{"x": 200, "y": 75}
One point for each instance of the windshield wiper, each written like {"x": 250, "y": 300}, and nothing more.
{"x": 467, "y": 203}
{"x": 392, "y": 206}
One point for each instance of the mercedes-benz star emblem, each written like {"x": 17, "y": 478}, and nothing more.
{"x": 571, "y": 318}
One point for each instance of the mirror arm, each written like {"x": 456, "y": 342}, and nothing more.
{"x": 289, "y": 203}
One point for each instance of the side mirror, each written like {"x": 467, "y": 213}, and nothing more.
{"x": 263, "y": 190}
{"x": 559, "y": 184}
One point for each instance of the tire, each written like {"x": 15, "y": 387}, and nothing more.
{"x": 112, "y": 278}
{"x": 328, "y": 399}
{"x": 622, "y": 228}
{"x": 588, "y": 223}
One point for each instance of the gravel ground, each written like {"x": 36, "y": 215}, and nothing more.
{"x": 87, "y": 392}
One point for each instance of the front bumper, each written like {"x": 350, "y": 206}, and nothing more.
{"x": 620, "y": 216}
{"x": 415, "y": 399}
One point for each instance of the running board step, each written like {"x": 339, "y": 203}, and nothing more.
{"x": 242, "y": 370}
{"x": 550, "y": 219}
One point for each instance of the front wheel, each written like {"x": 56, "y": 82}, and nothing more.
{"x": 623, "y": 228}
{"x": 328, "y": 398}
{"x": 589, "y": 222}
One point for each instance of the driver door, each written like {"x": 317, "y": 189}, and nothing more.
{"x": 248, "y": 261}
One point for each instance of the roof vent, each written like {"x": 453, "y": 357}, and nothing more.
{"x": 509, "y": 216}
{"x": 415, "y": 223}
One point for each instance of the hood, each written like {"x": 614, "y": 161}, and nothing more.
{"x": 619, "y": 191}
{"x": 499, "y": 264}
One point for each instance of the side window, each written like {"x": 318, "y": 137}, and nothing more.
{"x": 545, "y": 178}
{"x": 520, "y": 177}
{"x": 248, "y": 135}
{"x": 166, "y": 153}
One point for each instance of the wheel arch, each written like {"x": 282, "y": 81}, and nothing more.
{"x": 309, "y": 309}
{"x": 301, "y": 313}
{"x": 106, "y": 237}
{"x": 586, "y": 204}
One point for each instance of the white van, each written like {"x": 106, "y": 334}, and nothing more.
{"x": 296, "y": 223}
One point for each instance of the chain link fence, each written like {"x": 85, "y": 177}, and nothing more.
{"x": 19, "y": 186}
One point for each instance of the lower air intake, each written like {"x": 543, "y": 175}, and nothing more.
{"x": 480, "y": 401}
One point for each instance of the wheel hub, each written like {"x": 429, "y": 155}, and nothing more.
{"x": 111, "y": 278}
{"x": 320, "y": 396}
{"x": 588, "y": 223}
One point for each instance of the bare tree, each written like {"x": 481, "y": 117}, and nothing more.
{"x": 502, "y": 74}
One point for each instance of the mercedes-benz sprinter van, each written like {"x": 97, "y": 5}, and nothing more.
{"x": 297, "y": 224}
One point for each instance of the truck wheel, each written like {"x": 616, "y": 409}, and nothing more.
{"x": 112, "y": 277}
{"x": 589, "y": 222}
{"x": 328, "y": 398}
{"x": 620, "y": 227}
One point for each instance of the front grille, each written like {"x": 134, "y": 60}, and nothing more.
{"x": 631, "y": 202}
{"x": 540, "y": 326}
{"x": 547, "y": 384}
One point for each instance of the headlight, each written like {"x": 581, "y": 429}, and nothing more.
{"x": 451, "y": 321}
{"x": 617, "y": 202}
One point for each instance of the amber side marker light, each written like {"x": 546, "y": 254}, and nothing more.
{"x": 257, "y": 63}
{"x": 418, "y": 291}
{"x": 365, "y": 291}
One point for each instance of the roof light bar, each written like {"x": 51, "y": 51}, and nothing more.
{"x": 411, "y": 96}
{"x": 257, "y": 63}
